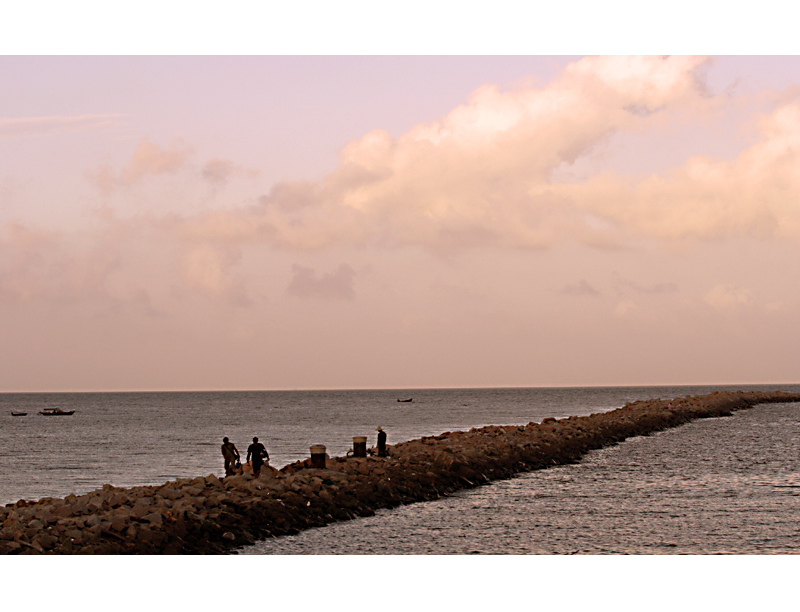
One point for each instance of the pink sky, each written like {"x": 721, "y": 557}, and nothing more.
{"x": 281, "y": 222}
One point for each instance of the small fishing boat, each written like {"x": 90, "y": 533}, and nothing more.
{"x": 410, "y": 399}
{"x": 18, "y": 413}
{"x": 56, "y": 412}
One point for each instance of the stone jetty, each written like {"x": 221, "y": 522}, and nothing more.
{"x": 216, "y": 515}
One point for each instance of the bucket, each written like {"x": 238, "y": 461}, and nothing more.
{"x": 318, "y": 456}
{"x": 359, "y": 446}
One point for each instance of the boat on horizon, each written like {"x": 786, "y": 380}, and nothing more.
{"x": 18, "y": 413}
{"x": 410, "y": 399}
{"x": 56, "y": 412}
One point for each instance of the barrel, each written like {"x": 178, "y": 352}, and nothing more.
{"x": 318, "y": 456}
{"x": 359, "y": 446}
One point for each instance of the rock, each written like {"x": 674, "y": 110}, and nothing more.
{"x": 10, "y": 522}
{"x": 170, "y": 493}
{"x": 9, "y": 548}
{"x": 74, "y": 534}
{"x": 63, "y": 511}
{"x": 45, "y": 541}
{"x": 141, "y": 508}
{"x": 93, "y": 521}
{"x": 147, "y": 536}
{"x": 119, "y": 499}
{"x": 213, "y": 481}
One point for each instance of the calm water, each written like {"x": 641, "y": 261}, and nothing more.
{"x": 129, "y": 439}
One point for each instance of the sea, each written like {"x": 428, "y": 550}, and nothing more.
{"x": 728, "y": 485}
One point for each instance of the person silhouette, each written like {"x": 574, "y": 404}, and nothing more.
{"x": 230, "y": 454}
{"x": 381, "y": 443}
{"x": 259, "y": 454}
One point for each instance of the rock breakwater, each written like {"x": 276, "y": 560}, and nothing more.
{"x": 213, "y": 515}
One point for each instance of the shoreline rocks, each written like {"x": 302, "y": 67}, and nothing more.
{"x": 209, "y": 515}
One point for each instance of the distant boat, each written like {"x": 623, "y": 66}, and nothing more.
{"x": 410, "y": 399}
{"x": 56, "y": 412}
{"x": 19, "y": 413}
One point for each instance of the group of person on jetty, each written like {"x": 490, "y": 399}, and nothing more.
{"x": 257, "y": 455}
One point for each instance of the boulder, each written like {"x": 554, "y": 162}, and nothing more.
{"x": 213, "y": 481}
{"x": 141, "y": 509}
{"x": 93, "y": 521}
{"x": 170, "y": 493}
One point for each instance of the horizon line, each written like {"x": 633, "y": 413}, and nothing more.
{"x": 431, "y": 388}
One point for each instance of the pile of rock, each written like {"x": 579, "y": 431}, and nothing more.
{"x": 212, "y": 515}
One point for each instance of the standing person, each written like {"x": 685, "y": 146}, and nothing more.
{"x": 259, "y": 455}
{"x": 230, "y": 454}
{"x": 381, "y": 443}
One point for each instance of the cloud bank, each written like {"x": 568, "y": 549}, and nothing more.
{"x": 485, "y": 174}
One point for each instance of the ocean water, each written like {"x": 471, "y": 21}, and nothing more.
{"x": 735, "y": 478}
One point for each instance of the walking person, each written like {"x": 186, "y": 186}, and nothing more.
{"x": 381, "y": 443}
{"x": 259, "y": 454}
{"x": 230, "y": 454}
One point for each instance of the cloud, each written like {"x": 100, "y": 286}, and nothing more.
{"x": 219, "y": 171}
{"x": 625, "y": 308}
{"x": 753, "y": 195}
{"x": 727, "y": 297}
{"x": 153, "y": 159}
{"x": 628, "y": 286}
{"x": 482, "y": 175}
{"x": 36, "y": 264}
{"x": 148, "y": 159}
{"x": 20, "y": 127}
{"x": 581, "y": 288}
{"x": 490, "y": 174}
{"x": 208, "y": 269}
{"x": 337, "y": 285}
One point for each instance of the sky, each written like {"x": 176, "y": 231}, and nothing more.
{"x": 397, "y": 221}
